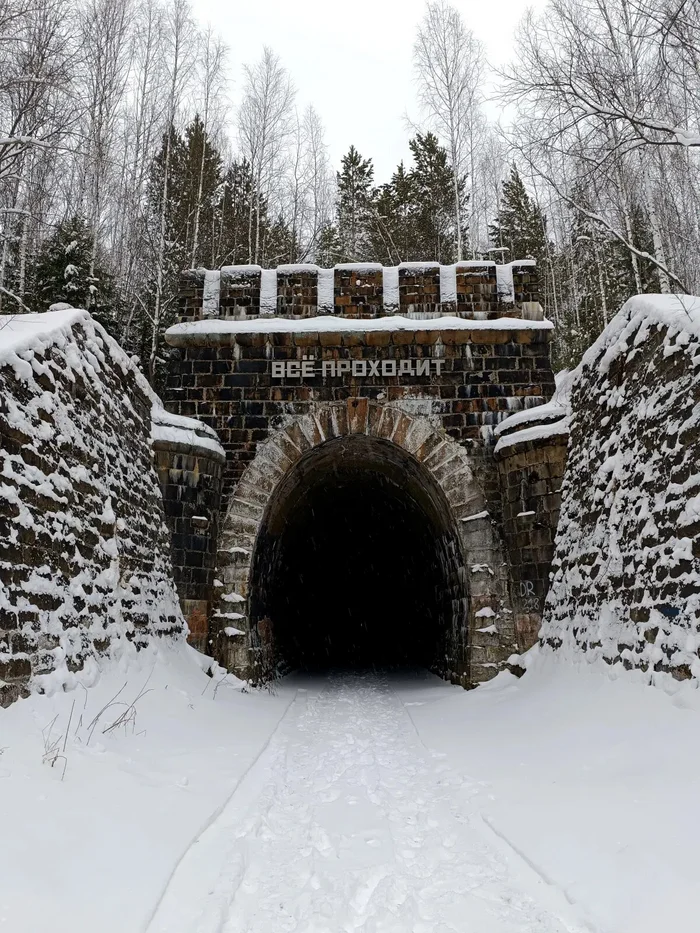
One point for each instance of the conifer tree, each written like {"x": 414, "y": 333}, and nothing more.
{"x": 433, "y": 186}
{"x": 195, "y": 191}
{"x": 354, "y": 199}
{"x": 62, "y": 273}
{"x": 237, "y": 197}
{"x": 393, "y": 219}
{"x": 201, "y": 192}
{"x": 329, "y": 248}
{"x": 412, "y": 217}
{"x": 520, "y": 226}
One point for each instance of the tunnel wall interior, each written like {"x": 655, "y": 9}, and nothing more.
{"x": 265, "y": 384}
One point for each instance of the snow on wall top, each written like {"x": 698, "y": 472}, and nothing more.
{"x": 537, "y": 432}
{"x": 679, "y": 313}
{"x": 539, "y": 422}
{"x": 177, "y": 429}
{"x": 23, "y": 336}
{"x": 167, "y": 419}
{"x": 323, "y": 325}
{"x": 235, "y": 271}
{"x": 21, "y": 332}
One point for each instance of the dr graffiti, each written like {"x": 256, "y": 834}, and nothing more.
{"x": 310, "y": 368}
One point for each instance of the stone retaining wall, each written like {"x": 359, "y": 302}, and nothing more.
{"x": 84, "y": 553}
{"x": 626, "y": 569}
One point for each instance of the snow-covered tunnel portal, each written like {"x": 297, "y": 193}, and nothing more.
{"x": 358, "y": 561}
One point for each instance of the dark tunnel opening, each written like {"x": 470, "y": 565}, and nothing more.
{"x": 358, "y": 563}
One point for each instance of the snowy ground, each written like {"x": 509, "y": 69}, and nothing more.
{"x": 561, "y": 802}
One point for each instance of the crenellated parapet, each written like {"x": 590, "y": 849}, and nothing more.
{"x": 475, "y": 290}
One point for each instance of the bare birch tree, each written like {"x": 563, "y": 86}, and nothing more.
{"x": 599, "y": 85}
{"x": 264, "y": 127}
{"x": 210, "y": 78}
{"x": 180, "y": 34}
{"x": 142, "y": 123}
{"x": 449, "y": 63}
{"x": 104, "y": 55}
{"x": 309, "y": 183}
{"x": 37, "y": 43}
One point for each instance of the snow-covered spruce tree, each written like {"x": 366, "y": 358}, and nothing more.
{"x": 355, "y": 181}
{"x": 520, "y": 226}
{"x": 328, "y": 247}
{"x": 63, "y": 273}
{"x": 411, "y": 218}
{"x": 433, "y": 183}
{"x": 393, "y": 219}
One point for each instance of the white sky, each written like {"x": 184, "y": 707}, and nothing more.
{"x": 352, "y": 61}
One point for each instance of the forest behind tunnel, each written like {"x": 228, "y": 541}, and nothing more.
{"x": 356, "y": 562}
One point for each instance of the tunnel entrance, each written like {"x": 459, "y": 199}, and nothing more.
{"x": 357, "y": 563}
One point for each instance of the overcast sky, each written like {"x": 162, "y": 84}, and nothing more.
{"x": 352, "y": 61}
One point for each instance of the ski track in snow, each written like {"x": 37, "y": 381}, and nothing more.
{"x": 348, "y": 823}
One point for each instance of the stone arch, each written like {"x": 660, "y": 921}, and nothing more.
{"x": 445, "y": 465}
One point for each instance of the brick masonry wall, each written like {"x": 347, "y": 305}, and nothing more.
{"x": 626, "y": 570}
{"x": 419, "y": 290}
{"x": 84, "y": 553}
{"x": 190, "y": 479}
{"x": 485, "y": 375}
{"x": 297, "y": 292}
{"x": 239, "y": 290}
{"x": 477, "y": 292}
{"x": 190, "y": 300}
{"x": 526, "y": 287}
{"x": 531, "y": 474}
{"x": 359, "y": 292}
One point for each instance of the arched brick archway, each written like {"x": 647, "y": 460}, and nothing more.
{"x": 439, "y": 478}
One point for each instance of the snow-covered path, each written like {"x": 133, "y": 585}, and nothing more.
{"x": 347, "y": 822}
